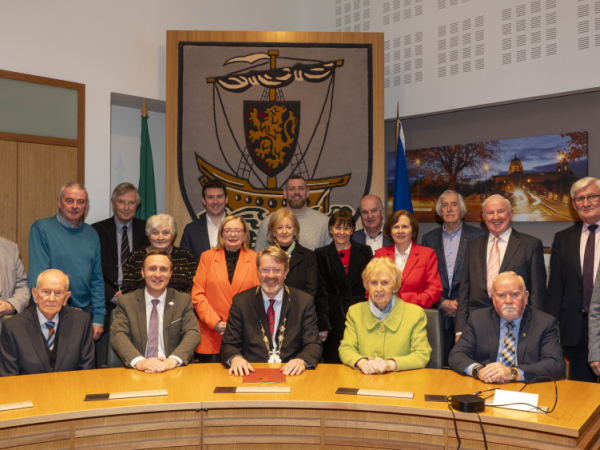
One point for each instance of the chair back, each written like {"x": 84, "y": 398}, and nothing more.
{"x": 435, "y": 336}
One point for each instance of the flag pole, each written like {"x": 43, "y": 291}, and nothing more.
{"x": 397, "y": 128}
{"x": 144, "y": 110}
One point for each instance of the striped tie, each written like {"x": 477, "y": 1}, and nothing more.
{"x": 508, "y": 352}
{"x": 493, "y": 266}
{"x": 124, "y": 247}
{"x": 50, "y": 326}
{"x": 152, "y": 350}
{"x": 271, "y": 317}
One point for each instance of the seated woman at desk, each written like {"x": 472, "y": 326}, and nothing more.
{"x": 384, "y": 334}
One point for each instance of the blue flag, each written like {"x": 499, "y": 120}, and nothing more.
{"x": 401, "y": 190}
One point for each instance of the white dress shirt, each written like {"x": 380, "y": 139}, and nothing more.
{"x": 585, "y": 234}
{"x": 213, "y": 230}
{"x": 402, "y": 258}
{"x": 277, "y": 307}
{"x": 502, "y": 244}
{"x": 43, "y": 321}
{"x": 375, "y": 243}
{"x": 161, "y": 312}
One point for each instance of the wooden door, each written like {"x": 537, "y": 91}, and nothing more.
{"x": 8, "y": 189}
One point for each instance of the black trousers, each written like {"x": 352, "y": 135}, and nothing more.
{"x": 578, "y": 357}
{"x": 203, "y": 358}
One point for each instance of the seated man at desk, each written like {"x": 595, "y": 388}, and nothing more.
{"x": 271, "y": 322}
{"x": 49, "y": 337}
{"x": 509, "y": 341}
{"x": 140, "y": 334}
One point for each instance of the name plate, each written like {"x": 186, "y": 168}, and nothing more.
{"x": 375, "y": 393}
{"x": 120, "y": 395}
{"x": 253, "y": 390}
{"x": 19, "y": 405}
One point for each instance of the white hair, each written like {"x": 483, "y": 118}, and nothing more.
{"x": 583, "y": 183}
{"x": 157, "y": 220}
{"x": 461, "y": 203}
{"x": 508, "y": 274}
{"x": 72, "y": 184}
{"x": 495, "y": 197}
{"x": 52, "y": 271}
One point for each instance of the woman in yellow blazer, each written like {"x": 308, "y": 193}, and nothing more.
{"x": 224, "y": 271}
{"x": 384, "y": 334}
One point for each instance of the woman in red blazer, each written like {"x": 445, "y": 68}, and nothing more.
{"x": 223, "y": 272}
{"x": 421, "y": 283}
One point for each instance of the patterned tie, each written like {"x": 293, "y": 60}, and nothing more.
{"x": 152, "y": 351}
{"x": 508, "y": 352}
{"x": 271, "y": 317}
{"x": 50, "y": 326}
{"x": 124, "y": 247}
{"x": 588, "y": 268}
{"x": 493, "y": 266}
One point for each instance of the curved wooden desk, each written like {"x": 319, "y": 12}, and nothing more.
{"x": 311, "y": 416}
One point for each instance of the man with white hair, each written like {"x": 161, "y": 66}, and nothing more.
{"x": 502, "y": 249}
{"x": 573, "y": 268}
{"x": 371, "y": 213}
{"x": 450, "y": 244}
{"x": 65, "y": 242}
{"x": 509, "y": 341}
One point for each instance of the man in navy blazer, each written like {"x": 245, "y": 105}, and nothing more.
{"x": 450, "y": 243}
{"x": 371, "y": 213}
{"x": 201, "y": 234}
{"x": 509, "y": 341}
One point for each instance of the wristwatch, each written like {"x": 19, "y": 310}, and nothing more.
{"x": 515, "y": 373}
{"x": 476, "y": 370}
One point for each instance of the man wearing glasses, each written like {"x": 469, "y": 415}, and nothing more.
{"x": 371, "y": 214}
{"x": 573, "y": 268}
{"x": 271, "y": 322}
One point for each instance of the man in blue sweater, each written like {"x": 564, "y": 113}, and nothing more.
{"x": 66, "y": 243}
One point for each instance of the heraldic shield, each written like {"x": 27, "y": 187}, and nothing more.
{"x": 271, "y": 130}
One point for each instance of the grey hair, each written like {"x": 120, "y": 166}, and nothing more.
{"x": 583, "y": 183}
{"x": 157, "y": 220}
{"x": 508, "y": 274}
{"x": 125, "y": 188}
{"x": 461, "y": 203}
{"x": 495, "y": 197}
{"x": 73, "y": 184}
{"x": 47, "y": 272}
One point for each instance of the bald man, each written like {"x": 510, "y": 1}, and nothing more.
{"x": 49, "y": 337}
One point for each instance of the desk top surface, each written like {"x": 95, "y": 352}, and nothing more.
{"x": 60, "y": 396}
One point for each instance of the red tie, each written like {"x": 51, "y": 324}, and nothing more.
{"x": 271, "y": 316}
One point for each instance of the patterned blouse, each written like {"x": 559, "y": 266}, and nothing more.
{"x": 184, "y": 269}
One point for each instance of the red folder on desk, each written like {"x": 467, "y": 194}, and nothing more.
{"x": 265, "y": 376}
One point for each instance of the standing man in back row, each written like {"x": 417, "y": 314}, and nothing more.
{"x": 202, "y": 234}
{"x": 371, "y": 213}
{"x": 314, "y": 224}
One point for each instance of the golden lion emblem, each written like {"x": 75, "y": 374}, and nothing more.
{"x": 275, "y": 134}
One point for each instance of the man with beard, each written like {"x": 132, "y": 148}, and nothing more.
{"x": 271, "y": 322}
{"x": 314, "y": 225}
{"x": 509, "y": 341}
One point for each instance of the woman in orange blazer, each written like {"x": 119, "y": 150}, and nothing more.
{"x": 421, "y": 283}
{"x": 226, "y": 270}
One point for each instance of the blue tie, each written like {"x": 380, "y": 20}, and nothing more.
{"x": 50, "y": 326}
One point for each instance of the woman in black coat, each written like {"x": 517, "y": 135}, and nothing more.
{"x": 341, "y": 265}
{"x": 284, "y": 232}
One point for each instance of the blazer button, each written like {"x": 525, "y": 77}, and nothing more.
{"x": 380, "y": 353}
{"x": 381, "y": 328}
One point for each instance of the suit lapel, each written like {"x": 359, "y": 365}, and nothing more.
{"x": 204, "y": 231}
{"x": 142, "y": 324}
{"x": 220, "y": 268}
{"x": 511, "y": 248}
{"x": 241, "y": 271}
{"x": 523, "y": 338}
{"x": 285, "y": 307}
{"x": 167, "y": 317}
{"x": 494, "y": 335}
{"x": 111, "y": 237}
{"x": 412, "y": 260}
{"x": 438, "y": 244}
{"x": 297, "y": 256}
{"x": 337, "y": 266}
{"x": 483, "y": 257}
{"x": 259, "y": 305}
{"x": 576, "y": 248}
{"x": 356, "y": 257}
{"x": 65, "y": 325}
{"x": 37, "y": 338}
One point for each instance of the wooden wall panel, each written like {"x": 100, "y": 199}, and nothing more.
{"x": 42, "y": 171}
{"x": 174, "y": 201}
{"x": 8, "y": 187}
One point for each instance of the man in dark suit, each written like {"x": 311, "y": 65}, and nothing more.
{"x": 271, "y": 322}
{"x": 450, "y": 243}
{"x": 503, "y": 249}
{"x": 573, "y": 268}
{"x": 509, "y": 341}
{"x": 50, "y": 337}
{"x": 371, "y": 213}
{"x": 119, "y": 236}
{"x": 201, "y": 234}
{"x": 155, "y": 328}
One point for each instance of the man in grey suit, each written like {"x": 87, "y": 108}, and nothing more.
{"x": 450, "y": 243}
{"x": 155, "y": 328}
{"x": 371, "y": 213}
{"x": 14, "y": 288}
{"x": 503, "y": 249}
{"x": 50, "y": 337}
{"x": 201, "y": 234}
{"x": 509, "y": 341}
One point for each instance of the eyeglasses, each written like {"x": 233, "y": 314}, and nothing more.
{"x": 236, "y": 231}
{"x": 590, "y": 198}
{"x": 268, "y": 270}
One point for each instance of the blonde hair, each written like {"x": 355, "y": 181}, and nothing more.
{"x": 226, "y": 220}
{"x": 275, "y": 253}
{"x": 383, "y": 265}
{"x": 275, "y": 220}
